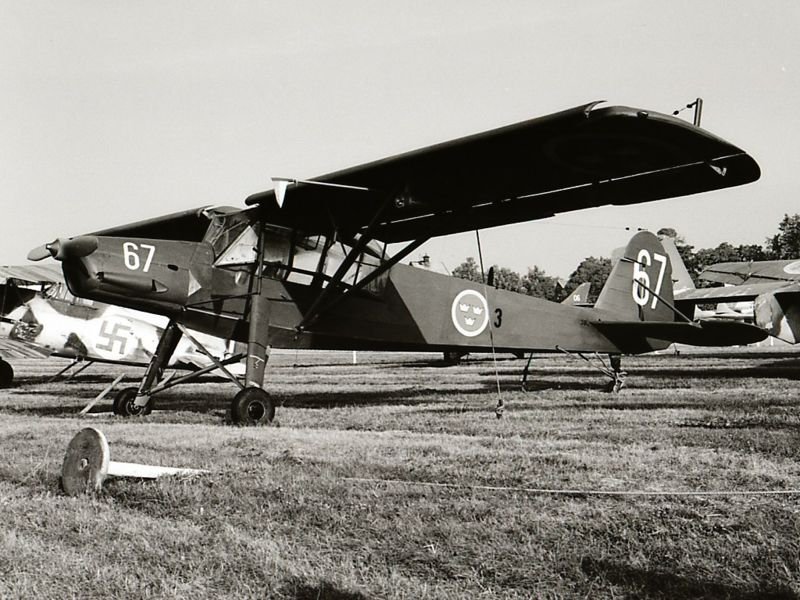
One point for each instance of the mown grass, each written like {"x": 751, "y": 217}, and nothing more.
{"x": 333, "y": 502}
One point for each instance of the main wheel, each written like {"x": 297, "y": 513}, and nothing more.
{"x": 125, "y": 404}
{"x": 252, "y": 406}
{"x": 6, "y": 374}
{"x": 453, "y": 357}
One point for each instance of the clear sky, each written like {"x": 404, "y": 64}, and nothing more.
{"x": 119, "y": 111}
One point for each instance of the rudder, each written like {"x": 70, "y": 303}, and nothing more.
{"x": 639, "y": 287}
{"x": 680, "y": 275}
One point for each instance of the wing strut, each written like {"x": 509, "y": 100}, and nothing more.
{"x": 318, "y": 309}
{"x": 364, "y": 239}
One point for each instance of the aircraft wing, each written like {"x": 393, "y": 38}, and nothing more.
{"x": 578, "y": 158}
{"x": 43, "y": 273}
{"x": 733, "y": 293}
{"x": 710, "y": 332}
{"x": 735, "y": 273}
{"x": 11, "y": 349}
{"x": 187, "y": 225}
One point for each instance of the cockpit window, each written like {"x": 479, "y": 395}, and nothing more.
{"x": 290, "y": 255}
{"x": 225, "y": 229}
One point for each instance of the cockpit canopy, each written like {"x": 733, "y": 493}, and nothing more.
{"x": 289, "y": 254}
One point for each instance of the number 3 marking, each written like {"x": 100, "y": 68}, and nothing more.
{"x": 641, "y": 280}
{"x": 131, "y": 257}
{"x": 498, "y": 313}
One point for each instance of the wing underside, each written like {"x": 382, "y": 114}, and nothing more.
{"x": 735, "y": 273}
{"x": 734, "y": 293}
{"x": 575, "y": 159}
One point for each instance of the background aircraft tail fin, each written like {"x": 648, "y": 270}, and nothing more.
{"x": 640, "y": 285}
{"x": 579, "y": 296}
{"x": 680, "y": 275}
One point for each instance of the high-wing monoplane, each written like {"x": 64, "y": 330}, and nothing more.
{"x": 306, "y": 265}
{"x": 39, "y": 317}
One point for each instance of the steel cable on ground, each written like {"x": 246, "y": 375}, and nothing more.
{"x": 574, "y": 492}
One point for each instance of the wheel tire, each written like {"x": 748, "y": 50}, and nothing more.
{"x": 124, "y": 404}
{"x": 252, "y": 406}
{"x": 453, "y": 357}
{"x": 6, "y": 374}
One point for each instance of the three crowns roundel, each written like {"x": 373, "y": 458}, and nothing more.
{"x": 470, "y": 313}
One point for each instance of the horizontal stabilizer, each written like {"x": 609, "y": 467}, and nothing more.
{"x": 700, "y": 333}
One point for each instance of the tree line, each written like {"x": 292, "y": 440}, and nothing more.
{"x": 785, "y": 244}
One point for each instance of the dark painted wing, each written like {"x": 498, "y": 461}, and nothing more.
{"x": 567, "y": 161}
{"x": 752, "y": 272}
{"x": 187, "y": 225}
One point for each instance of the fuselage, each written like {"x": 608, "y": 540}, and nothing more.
{"x": 206, "y": 286}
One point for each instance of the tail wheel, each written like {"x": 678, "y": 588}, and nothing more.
{"x": 6, "y": 374}
{"x": 125, "y": 404}
{"x": 252, "y": 406}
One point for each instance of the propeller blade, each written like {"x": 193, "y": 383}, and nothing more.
{"x": 59, "y": 249}
{"x": 40, "y": 253}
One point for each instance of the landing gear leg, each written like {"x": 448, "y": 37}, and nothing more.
{"x": 252, "y": 405}
{"x": 525, "y": 373}
{"x": 133, "y": 401}
{"x": 613, "y": 370}
{"x": 616, "y": 373}
{"x": 6, "y": 374}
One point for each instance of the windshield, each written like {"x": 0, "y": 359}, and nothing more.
{"x": 289, "y": 255}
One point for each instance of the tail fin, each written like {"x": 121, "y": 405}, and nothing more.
{"x": 579, "y": 296}
{"x": 640, "y": 285}
{"x": 680, "y": 275}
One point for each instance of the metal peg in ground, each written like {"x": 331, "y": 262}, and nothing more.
{"x": 88, "y": 462}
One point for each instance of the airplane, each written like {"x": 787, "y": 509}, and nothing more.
{"x": 305, "y": 264}
{"x": 40, "y": 318}
{"x": 765, "y": 292}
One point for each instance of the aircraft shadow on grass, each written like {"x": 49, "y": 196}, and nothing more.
{"x": 209, "y": 401}
{"x": 320, "y": 591}
{"x": 781, "y": 369}
{"x": 661, "y": 584}
{"x": 483, "y": 383}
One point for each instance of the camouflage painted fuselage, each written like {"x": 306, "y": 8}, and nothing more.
{"x": 411, "y": 309}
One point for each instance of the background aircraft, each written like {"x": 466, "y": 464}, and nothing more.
{"x": 772, "y": 286}
{"x": 310, "y": 268}
{"x": 41, "y": 318}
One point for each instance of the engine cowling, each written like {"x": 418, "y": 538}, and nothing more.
{"x": 156, "y": 275}
{"x": 778, "y": 313}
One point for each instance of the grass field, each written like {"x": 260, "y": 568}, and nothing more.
{"x": 393, "y": 479}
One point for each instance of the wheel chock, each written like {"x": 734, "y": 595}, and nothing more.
{"x": 88, "y": 462}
